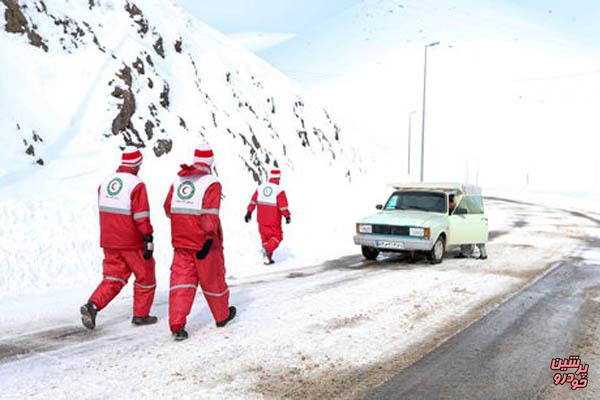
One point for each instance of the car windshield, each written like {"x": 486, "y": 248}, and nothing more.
{"x": 422, "y": 201}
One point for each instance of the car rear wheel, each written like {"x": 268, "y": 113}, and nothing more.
{"x": 369, "y": 252}
{"x": 436, "y": 255}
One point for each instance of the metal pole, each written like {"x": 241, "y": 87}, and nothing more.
{"x": 423, "y": 117}
{"x": 424, "y": 105}
{"x": 409, "y": 137}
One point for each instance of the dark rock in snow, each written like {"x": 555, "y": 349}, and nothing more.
{"x": 162, "y": 147}
{"x": 164, "y": 96}
{"x": 139, "y": 66}
{"x": 303, "y": 135}
{"x": 125, "y": 75}
{"x": 149, "y": 60}
{"x": 17, "y": 23}
{"x": 255, "y": 142}
{"x": 136, "y": 15}
{"x": 159, "y": 48}
{"x": 123, "y": 119}
{"x": 149, "y": 128}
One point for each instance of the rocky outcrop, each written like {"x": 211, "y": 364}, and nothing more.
{"x": 122, "y": 122}
{"x": 17, "y": 23}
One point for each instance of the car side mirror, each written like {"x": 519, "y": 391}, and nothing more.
{"x": 379, "y": 206}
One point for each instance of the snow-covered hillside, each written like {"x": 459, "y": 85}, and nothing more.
{"x": 159, "y": 78}
{"x": 82, "y": 79}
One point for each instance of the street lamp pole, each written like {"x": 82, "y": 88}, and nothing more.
{"x": 410, "y": 115}
{"x": 423, "y": 113}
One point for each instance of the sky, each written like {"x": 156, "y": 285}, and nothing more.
{"x": 575, "y": 19}
{"x": 260, "y": 24}
{"x": 513, "y": 90}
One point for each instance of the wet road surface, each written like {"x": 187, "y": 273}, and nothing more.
{"x": 507, "y": 353}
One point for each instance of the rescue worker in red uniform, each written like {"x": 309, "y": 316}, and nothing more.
{"x": 126, "y": 237}
{"x": 272, "y": 206}
{"x": 193, "y": 206}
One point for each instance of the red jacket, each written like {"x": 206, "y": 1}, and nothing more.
{"x": 271, "y": 208}
{"x": 124, "y": 227}
{"x": 191, "y": 231}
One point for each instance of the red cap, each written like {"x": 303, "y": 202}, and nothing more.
{"x": 131, "y": 157}
{"x": 204, "y": 155}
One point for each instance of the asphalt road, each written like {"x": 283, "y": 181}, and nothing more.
{"x": 507, "y": 354}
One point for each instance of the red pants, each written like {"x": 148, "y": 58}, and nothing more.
{"x": 271, "y": 236}
{"x": 116, "y": 269}
{"x": 186, "y": 273}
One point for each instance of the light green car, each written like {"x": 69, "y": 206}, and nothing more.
{"x": 419, "y": 218}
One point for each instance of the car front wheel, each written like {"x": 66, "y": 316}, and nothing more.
{"x": 436, "y": 255}
{"x": 369, "y": 252}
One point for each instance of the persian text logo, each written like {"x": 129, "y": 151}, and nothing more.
{"x": 186, "y": 190}
{"x": 577, "y": 379}
{"x": 114, "y": 187}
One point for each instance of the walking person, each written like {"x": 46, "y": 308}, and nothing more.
{"x": 272, "y": 203}
{"x": 193, "y": 205}
{"x": 127, "y": 241}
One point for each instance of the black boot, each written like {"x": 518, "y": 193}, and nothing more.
{"x": 267, "y": 258}
{"x": 180, "y": 335}
{"x": 88, "y": 315}
{"x": 149, "y": 320}
{"x": 232, "y": 312}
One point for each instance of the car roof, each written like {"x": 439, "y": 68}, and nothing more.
{"x": 442, "y": 187}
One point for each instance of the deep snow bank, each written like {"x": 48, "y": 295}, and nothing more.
{"x": 82, "y": 79}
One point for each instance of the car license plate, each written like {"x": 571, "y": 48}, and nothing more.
{"x": 389, "y": 245}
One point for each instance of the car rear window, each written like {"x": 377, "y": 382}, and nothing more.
{"x": 422, "y": 201}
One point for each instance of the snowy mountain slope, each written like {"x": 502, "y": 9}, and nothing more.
{"x": 86, "y": 78}
{"x": 261, "y": 24}
{"x": 507, "y": 79}
{"x": 164, "y": 80}
{"x": 372, "y": 29}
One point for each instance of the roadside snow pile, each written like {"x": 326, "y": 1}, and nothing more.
{"x": 82, "y": 79}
